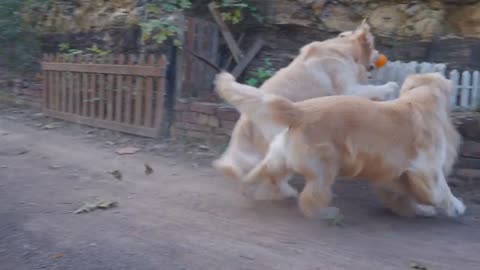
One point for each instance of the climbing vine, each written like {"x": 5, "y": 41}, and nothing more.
{"x": 161, "y": 20}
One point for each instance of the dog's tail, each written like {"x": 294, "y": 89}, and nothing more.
{"x": 263, "y": 109}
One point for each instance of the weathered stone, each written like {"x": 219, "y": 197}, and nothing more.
{"x": 213, "y": 121}
{"x": 227, "y": 124}
{"x": 405, "y": 20}
{"x": 470, "y": 149}
{"x": 197, "y": 134}
{"x": 202, "y": 119}
{"x": 204, "y": 107}
{"x": 228, "y": 114}
{"x": 182, "y": 105}
{"x": 469, "y": 127}
{"x": 189, "y": 117}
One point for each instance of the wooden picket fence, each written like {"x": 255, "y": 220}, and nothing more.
{"x": 122, "y": 93}
{"x": 467, "y": 84}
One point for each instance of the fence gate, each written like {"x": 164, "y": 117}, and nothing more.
{"x": 121, "y": 93}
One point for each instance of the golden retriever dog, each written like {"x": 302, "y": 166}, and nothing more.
{"x": 404, "y": 147}
{"x": 336, "y": 66}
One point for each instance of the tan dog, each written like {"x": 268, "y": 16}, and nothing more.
{"x": 403, "y": 147}
{"x": 336, "y": 66}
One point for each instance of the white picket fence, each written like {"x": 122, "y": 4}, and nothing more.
{"x": 467, "y": 84}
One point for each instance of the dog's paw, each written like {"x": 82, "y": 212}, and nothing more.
{"x": 392, "y": 87}
{"x": 425, "y": 210}
{"x": 455, "y": 207}
{"x": 227, "y": 169}
{"x": 390, "y": 90}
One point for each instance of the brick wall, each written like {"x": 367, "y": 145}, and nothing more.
{"x": 205, "y": 121}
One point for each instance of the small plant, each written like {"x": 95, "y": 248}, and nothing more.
{"x": 234, "y": 11}
{"x": 261, "y": 74}
{"x": 97, "y": 51}
{"x": 69, "y": 52}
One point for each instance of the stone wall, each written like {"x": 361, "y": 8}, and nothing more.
{"x": 208, "y": 122}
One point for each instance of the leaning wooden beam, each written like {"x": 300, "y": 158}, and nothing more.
{"x": 230, "y": 58}
{"x": 232, "y": 45}
{"x": 256, "y": 47}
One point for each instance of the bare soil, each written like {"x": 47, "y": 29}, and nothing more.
{"x": 185, "y": 216}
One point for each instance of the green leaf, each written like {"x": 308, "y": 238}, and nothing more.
{"x": 252, "y": 82}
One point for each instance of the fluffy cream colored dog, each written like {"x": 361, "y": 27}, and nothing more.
{"x": 336, "y": 66}
{"x": 404, "y": 147}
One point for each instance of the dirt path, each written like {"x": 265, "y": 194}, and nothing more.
{"x": 186, "y": 217}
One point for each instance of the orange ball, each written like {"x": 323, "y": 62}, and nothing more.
{"x": 381, "y": 61}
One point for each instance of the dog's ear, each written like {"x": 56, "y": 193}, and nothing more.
{"x": 363, "y": 33}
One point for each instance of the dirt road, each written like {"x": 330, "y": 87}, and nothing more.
{"x": 187, "y": 217}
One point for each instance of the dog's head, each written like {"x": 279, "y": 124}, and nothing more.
{"x": 436, "y": 83}
{"x": 364, "y": 41}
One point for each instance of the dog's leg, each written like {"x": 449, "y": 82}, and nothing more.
{"x": 241, "y": 154}
{"x": 317, "y": 192}
{"x": 398, "y": 203}
{"x": 397, "y": 197}
{"x": 274, "y": 188}
{"x": 432, "y": 189}
{"x": 377, "y": 92}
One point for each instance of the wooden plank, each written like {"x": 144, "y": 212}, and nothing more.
{"x": 71, "y": 92}
{"x": 119, "y": 107}
{"x": 454, "y": 77}
{"x": 57, "y": 87}
{"x": 232, "y": 45}
{"x": 83, "y": 120}
{"x": 475, "y": 89}
{"x": 159, "y": 98}
{"x": 76, "y": 87}
{"x": 105, "y": 69}
{"x": 51, "y": 87}
{"x": 93, "y": 91}
{"x": 149, "y": 95}
{"x": 64, "y": 100}
{"x": 45, "y": 82}
{"x": 256, "y": 47}
{"x": 85, "y": 96}
{"x": 139, "y": 95}
{"x": 128, "y": 93}
{"x": 109, "y": 90}
{"x": 101, "y": 93}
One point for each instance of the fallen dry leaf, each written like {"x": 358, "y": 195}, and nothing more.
{"x": 417, "y": 266}
{"x": 89, "y": 207}
{"x": 148, "y": 169}
{"x": 58, "y": 256}
{"x": 127, "y": 150}
{"x": 117, "y": 174}
{"x": 336, "y": 221}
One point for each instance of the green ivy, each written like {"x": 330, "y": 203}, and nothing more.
{"x": 235, "y": 11}
{"x": 163, "y": 27}
{"x": 261, "y": 74}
